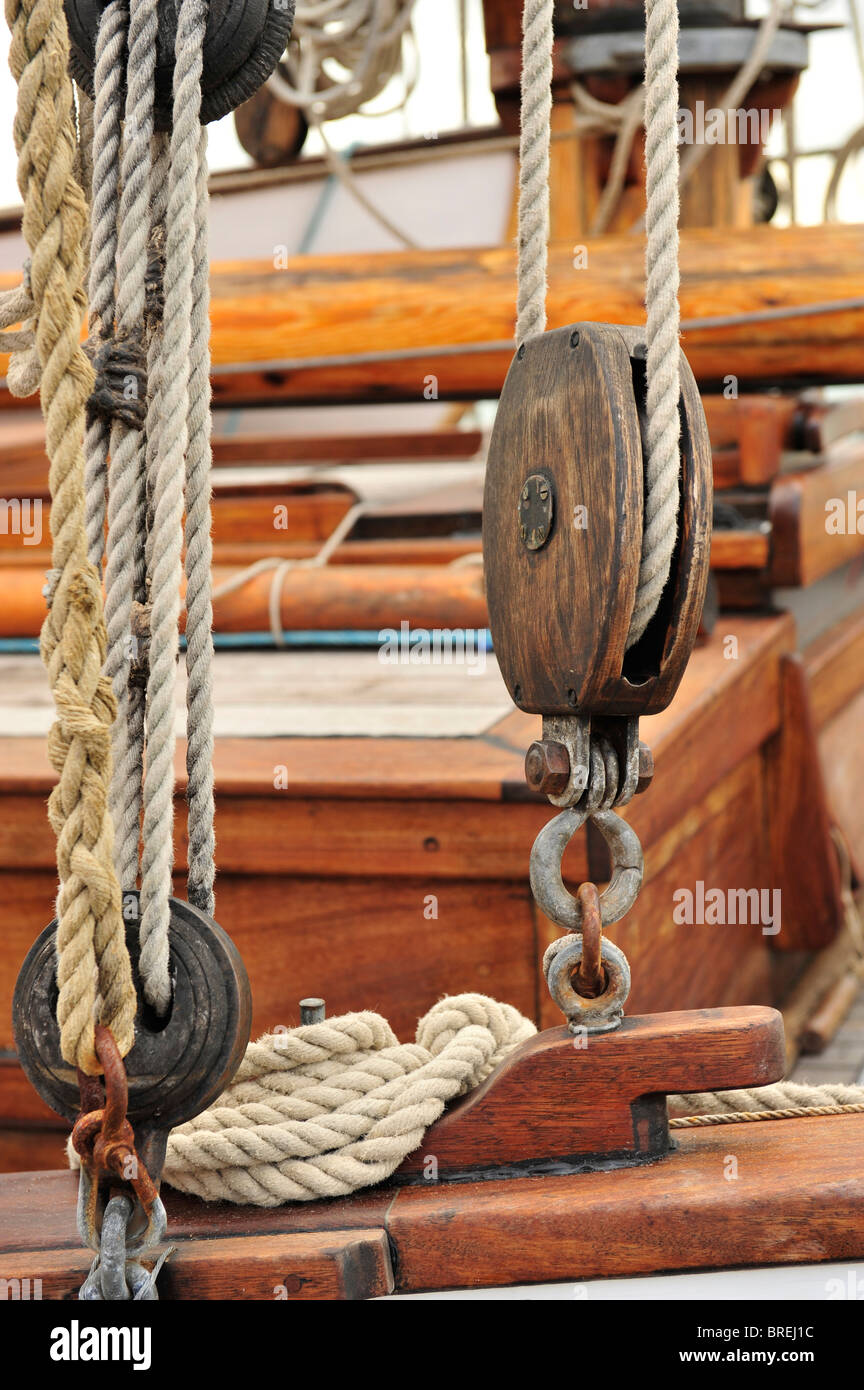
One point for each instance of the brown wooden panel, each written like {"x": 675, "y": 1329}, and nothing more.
{"x": 552, "y": 1099}
{"x": 841, "y": 749}
{"x": 804, "y": 864}
{"x": 336, "y": 1265}
{"x": 799, "y": 1197}
{"x": 361, "y": 943}
{"x": 333, "y": 307}
{"x": 835, "y": 667}
{"x": 37, "y": 1212}
{"x": 803, "y": 548}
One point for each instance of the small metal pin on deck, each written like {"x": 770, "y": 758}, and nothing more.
{"x": 312, "y": 1011}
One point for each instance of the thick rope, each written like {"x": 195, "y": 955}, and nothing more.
{"x": 785, "y": 1100}
{"x": 91, "y": 946}
{"x": 199, "y": 555}
{"x": 332, "y": 1107}
{"x": 329, "y": 1108}
{"x": 661, "y": 299}
{"x": 534, "y": 141}
{"x": 167, "y": 520}
{"x": 124, "y": 570}
{"x": 107, "y": 125}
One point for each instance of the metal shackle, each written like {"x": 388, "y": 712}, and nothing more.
{"x": 547, "y": 853}
{"x": 602, "y": 1013}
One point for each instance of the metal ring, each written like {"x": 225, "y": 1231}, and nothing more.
{"x": 142, "y": 1235}
{"x": 600, "y": 1015}
{"x": 547, "y": 884}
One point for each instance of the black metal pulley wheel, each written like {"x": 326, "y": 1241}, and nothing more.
{"x": 179, "y": 1064}
{"x": 243, "y": 43}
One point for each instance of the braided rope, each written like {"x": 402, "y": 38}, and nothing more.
{"x": 167, "y": 520}
{"x": 537, "y": 42}
{"x": 91, "y": 944}
{"x": 332, "y": 1107}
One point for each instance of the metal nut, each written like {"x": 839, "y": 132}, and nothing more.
{"x": 646, "y": 768}
{"x": 547, "y": 767}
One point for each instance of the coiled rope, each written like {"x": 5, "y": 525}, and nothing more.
{"x": 329, "y": 1108}
{"x": 363, "y": 38}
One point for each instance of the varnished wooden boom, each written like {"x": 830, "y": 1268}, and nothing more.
{"x": 320, "y": 314}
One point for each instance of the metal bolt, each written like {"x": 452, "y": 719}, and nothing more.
{"x": 312, "y": 1011}
{"x": 646, "y": 768}
{"x": 547, "y": 767}
{"x": 523, "y": 531}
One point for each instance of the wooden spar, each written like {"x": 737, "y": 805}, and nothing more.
{"x": 320, "y": 314}
{"x": 347, "y": 594}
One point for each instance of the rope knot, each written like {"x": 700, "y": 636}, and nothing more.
{"x": 120, "y": 391}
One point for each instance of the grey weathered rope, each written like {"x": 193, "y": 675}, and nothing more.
{"x": 661, "y": 299}
{"x": 126, "y": 501}
{"x": 199, "y": 554}
{"x": 534, "y": 140}
{"x": 167, "y": 524}
{"x": 107, "y": 120}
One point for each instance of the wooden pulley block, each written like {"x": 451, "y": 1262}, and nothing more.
{"x": 243, "y": 42}
{"x": 562, "y": 528}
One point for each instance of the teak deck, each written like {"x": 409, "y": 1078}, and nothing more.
{"x": 798, "y": 1197}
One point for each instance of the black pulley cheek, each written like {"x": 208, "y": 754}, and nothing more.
{"x": 244, "y": 41}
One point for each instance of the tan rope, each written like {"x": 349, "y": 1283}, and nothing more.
{"x": 91, "y": 949}
{"x": 737, "y": 1117}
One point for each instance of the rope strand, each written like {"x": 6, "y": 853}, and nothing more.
{"x": 91, "y": 945}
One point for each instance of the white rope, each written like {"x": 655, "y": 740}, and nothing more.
{"x": 662, "y": 314}
{"x": 534, "y": 141}
{"x": 124, "y": 552}
{"x": 362, "y": 38}
{"x": 168, "y": 503}
{"x": 199, "y": 559}
{"x": 663, "y": 355}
